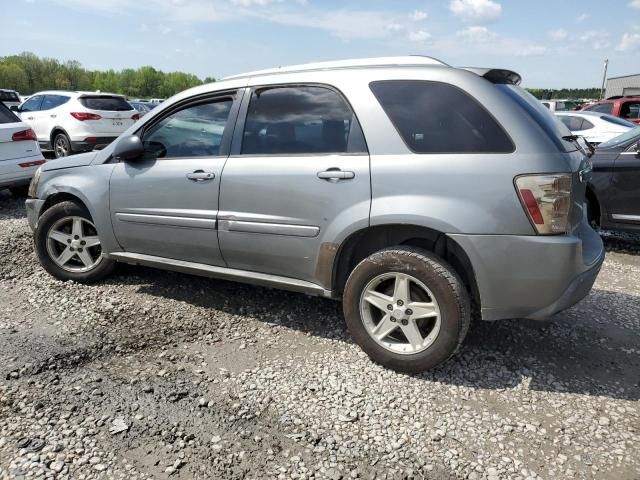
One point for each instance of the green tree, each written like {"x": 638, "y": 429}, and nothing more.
{"x": 13, "y": 77}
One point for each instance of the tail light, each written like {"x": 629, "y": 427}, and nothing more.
{"x": 547, "y": 201}
{"x": 82, "y": 116}
{"x": 34, "y": 163}
{"x": 24, "y": 135}
{"x": 136, "y": 117}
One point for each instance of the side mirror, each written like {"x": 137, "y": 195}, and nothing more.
{"x": 15, "y": 108}
{"x": 128, "y": 148}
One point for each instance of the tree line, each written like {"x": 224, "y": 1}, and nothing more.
{"x": 565, "y": 93}
{"x": 27, "y": 73}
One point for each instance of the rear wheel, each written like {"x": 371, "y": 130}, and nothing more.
{"x": 593, "y": 212}
{"x": 68, "y": 246}
{"x": 61, "y": 145}
{"x": 406, "y": 308}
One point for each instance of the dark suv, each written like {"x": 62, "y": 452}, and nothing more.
{"x": 623, "y": 107}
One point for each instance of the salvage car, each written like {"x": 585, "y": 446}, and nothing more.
{"x": 71, "y": 122}
{"x": 20, "y": 155}
{"x": 613, "y": 193}
{"x": 595, "y": 127}
{"x": 412, "y": 190}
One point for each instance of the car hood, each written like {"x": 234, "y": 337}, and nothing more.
{"x": 80, "y": 160}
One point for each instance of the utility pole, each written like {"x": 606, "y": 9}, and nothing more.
{"x": 604, "y": 78}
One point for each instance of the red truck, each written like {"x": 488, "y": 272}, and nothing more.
{"x": 623, "y": 107}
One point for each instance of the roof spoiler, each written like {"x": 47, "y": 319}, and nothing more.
{"x": 497, "y": 75}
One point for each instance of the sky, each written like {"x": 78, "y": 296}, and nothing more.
{"x": 551, "y": 43}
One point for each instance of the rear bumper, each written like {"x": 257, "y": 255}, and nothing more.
{"x": 86, "y": 146}
{"x": 34, "y": 207}
{"x": 533, "y": 277}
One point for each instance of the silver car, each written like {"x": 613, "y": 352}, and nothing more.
{"x": 416, "y": 192}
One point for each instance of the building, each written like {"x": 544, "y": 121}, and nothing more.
{"x": 629, "y": 85}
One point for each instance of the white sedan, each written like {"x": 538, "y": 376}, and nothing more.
{"x": 595, "y": 127}
{"x": 20, "y": 154}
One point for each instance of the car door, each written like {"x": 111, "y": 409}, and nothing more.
{"x": 298, "y": 173}
{"x": 624, "y": 201}
{"x": 166, "y": 203}
{"x": 31, "y": 113}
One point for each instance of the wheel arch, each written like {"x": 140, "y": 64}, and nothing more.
{"x": 593, "y": 198}
{"x": 364, "y": 242}
{"x": 55, "y": 131}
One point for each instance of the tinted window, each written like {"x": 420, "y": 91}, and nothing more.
{"x": 6, "y": 115}
{"x": 630, "y": 110}
{"x": 575, "y": 123}
{"x": 586, "y": 124}
{"x": 602, "y": 107}
{"x": 299, "y": 120}
{"x": 32, "y": 105}
{"x": 548, "y": 122}
{"x": 195, "y": 131}
{"x": 434, "y": 117}
{"x": 112, "y": 104}
{"x": 53, "y": 101}
{"x": 9, "y": 96}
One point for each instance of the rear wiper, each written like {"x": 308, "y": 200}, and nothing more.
{"x": 570, "y": 138}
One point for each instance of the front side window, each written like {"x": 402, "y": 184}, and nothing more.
{"x": 194, "y": 131}
{"x": 434, "y": 117}
{"x": 300, "y": 120}
{"x": 32, "y": 105}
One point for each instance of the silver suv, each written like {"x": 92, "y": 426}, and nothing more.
{"x": 414, "y": 191}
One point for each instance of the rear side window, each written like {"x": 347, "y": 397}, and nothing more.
{"x": 53, "y": 101}
{"x": 434, "y": 117}
{"x": 102, "y": 102}
{"x": 575, "y": 123}
{"x": 6, "y": 115}
{"x": 601, "y": 107}
{"x": 300, "y": 120}
{"x": 630, "y": 110}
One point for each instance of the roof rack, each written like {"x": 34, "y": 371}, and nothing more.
{"x": 401, "y": 61}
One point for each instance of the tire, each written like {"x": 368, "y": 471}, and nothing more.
{"x": 62, "y": 146}
{"x": 20, "y": 191}
{"x": 60, "y": 221}
{"x": 429, "y": 276}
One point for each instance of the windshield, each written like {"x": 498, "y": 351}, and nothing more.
{"x": 551, "y": 125}
{"x": 631, "y": 135}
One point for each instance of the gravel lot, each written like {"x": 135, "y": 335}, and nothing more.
{"x": 155, "y": 375}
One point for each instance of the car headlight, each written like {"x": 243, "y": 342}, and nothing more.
{"x": 33, "y": 186}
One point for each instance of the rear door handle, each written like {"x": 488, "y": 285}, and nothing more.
{"x": 201, "y": 176}
{"x": 52, "y": 116}
{"x": 336, "y": 174}
{"x": 29, "y": 118}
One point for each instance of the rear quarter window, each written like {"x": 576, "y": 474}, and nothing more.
{"x": 435, "y": 117}
{"x": 112, "y": 104}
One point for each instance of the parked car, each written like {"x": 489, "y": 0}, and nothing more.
{"x": 20, "y": 155}
{"x": 554, "y": 105}
{"x": 613, "y": 193}
{"x": 156, "y": 101}
{"x": 9, "y": 98}
{"x": 595, "y": 127}
{"x": 71, "y": 122}
{"x": 401, "y": 185}
{"x": 141, "y": 107}
{"x": 627, "y": 108}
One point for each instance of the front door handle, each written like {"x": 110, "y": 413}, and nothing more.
{"x": 336, "y": 174}
{"x": 29, "y": 118}
{"x": 52, "y": 116}
{"x": 201, "y": 176}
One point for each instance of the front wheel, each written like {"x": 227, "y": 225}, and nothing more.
{"x": 406, "y": 308}
{"x": 68, "y": 246}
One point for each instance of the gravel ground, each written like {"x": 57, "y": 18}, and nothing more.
{"x": 156, "y": 375}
